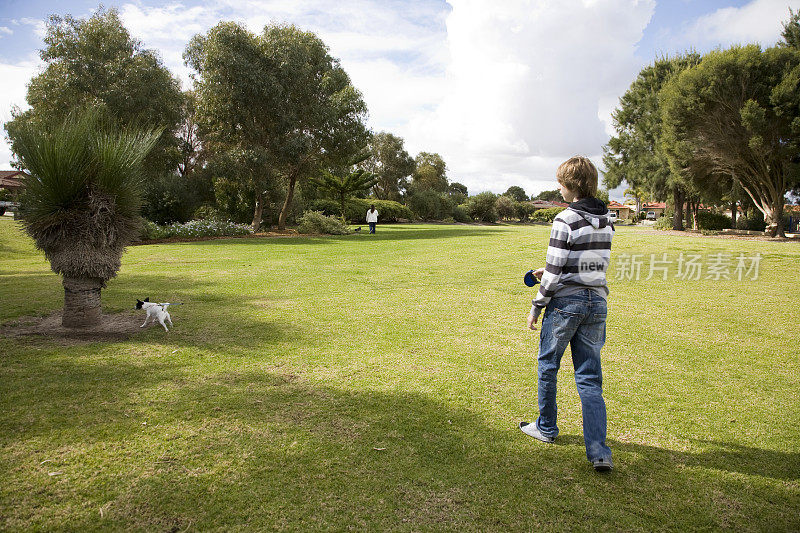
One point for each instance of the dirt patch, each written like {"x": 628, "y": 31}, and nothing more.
{"x": 720, "y": 236}
{"x": 116, "y": 327}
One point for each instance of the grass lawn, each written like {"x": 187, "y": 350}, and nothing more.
{"x": 375, "y": 382}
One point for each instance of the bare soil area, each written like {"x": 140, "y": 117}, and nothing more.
{"x": 721, "y": 236}
{"x": 115, "y": 327}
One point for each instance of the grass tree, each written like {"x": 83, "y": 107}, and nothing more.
{"x": 81, "y": 203}
{"x": 343, "y": 187}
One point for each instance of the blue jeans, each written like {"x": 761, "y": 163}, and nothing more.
{"x": 578, "y": 320}
{"x": 372, "y": 227}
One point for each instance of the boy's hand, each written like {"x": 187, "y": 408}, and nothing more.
{"x": 538, "y": 273}
{"x": 532, "y": 321}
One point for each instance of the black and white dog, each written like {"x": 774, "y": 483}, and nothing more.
{"x": 159, "y": 311}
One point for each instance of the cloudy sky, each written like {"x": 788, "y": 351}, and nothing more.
{"x": 504, "y": 90}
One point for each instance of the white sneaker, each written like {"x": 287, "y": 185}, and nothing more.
{"x": 533, "y": 431}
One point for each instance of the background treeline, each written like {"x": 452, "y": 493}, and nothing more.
{"x": 271, "y": 128}
{"x": 716, "y": 129}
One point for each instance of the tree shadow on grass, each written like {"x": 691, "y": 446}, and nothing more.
{"x": 273, "y": 450}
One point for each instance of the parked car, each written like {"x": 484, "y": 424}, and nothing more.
{"x": 651, "y": 215}
{"x": 612, "y": 216}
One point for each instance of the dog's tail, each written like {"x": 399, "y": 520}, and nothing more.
{"x": 167, "y": 304}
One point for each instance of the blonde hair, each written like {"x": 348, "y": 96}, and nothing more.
{"x": 579, "y": 175}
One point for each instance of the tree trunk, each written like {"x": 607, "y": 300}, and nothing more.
{"x": 287, "y": 204}
{"x": 81, "y": 302}
{"x": 687, "y": 214}
{"x": 734, "y": 210}
{"x": 259, "y": 210}
{"x": 695, "y": 209}
{"x": 775, "y": 219}
{"x": 677, "y": 217}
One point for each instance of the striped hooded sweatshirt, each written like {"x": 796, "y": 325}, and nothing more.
{"x": 578, "y": 253}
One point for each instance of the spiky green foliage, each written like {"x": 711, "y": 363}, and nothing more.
{"x": 343, "y": 187}
{"x": 81, "y": 203}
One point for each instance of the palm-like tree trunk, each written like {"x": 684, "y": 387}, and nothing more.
{"x": 81, "y": 302}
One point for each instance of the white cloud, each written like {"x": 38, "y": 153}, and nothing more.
{"x": 756, "y": 22}
{"x": 4, "y": 30}
{"x": 529, "y": 85}
{"x": 505, "y": 91}
{"x": 13, "y": 88}
{"x": 39, "y": 26}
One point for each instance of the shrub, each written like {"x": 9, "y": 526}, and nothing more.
{"x": 356, "y": 209}
{"x": 169, "y": 199}
{"x": 208, "y": 212}
{"x": 460, "y": 214}
{"x": 663, "y": 223}
{"x": 482, "y": 207}
{"x": 712, "y": 221}
{"x": 753, "y": 222}
{"x": 505, "y": 207}
{"x": 195, "y": 228}
{"x": 426, "y": 205}
{"x": 524, "y": 210}
{"x": 5, "y": 195}
{"x": 546, "y": 215}
{"x": 317, "y": 222}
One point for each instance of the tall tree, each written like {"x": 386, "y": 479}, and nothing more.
{"x": 81, "y": 202}
{"x": 517, "y": 193}
{"x": 549, "y": 196}
{"x": 391, "y": 165}
{"x": 431, "y": 172}
{"x": 280, "y": 92}
{"x": 791, "y": 30}
{"x": 634, "y": 154}
{"x": 738, "y": 111}
{"x": 95, "y": 63}
{"x": 189, "y": 143}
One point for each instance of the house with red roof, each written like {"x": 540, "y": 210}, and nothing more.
{"x": 544, "y": 204}
{"x": 621, "y": 210}
{"x": 657, "y": 207}
{"x": 12, "y": 180}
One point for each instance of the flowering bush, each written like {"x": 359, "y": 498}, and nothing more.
{"x": 194, "y": 228}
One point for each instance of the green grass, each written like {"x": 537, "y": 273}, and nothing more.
{"x": 375, "y": 382}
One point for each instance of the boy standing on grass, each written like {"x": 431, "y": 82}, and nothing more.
{"x": 573, "y": 296}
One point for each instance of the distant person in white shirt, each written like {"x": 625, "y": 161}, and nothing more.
{"x": 372, "y": 218}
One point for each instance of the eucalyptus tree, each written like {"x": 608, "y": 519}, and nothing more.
{"x": 81, "y": 202}
{"x": 516, "y": 193}
{"x": 431, "y": 173}
{"x": 94, "y": 62}
{"x": 279, "y": 92}
{"x": 391, "y": 164}
{"x": 738, "y": 113}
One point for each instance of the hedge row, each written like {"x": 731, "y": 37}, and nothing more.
{"x": 356, "y": 209}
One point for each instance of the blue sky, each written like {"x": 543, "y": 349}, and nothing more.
{"x": 505, "y": 91}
